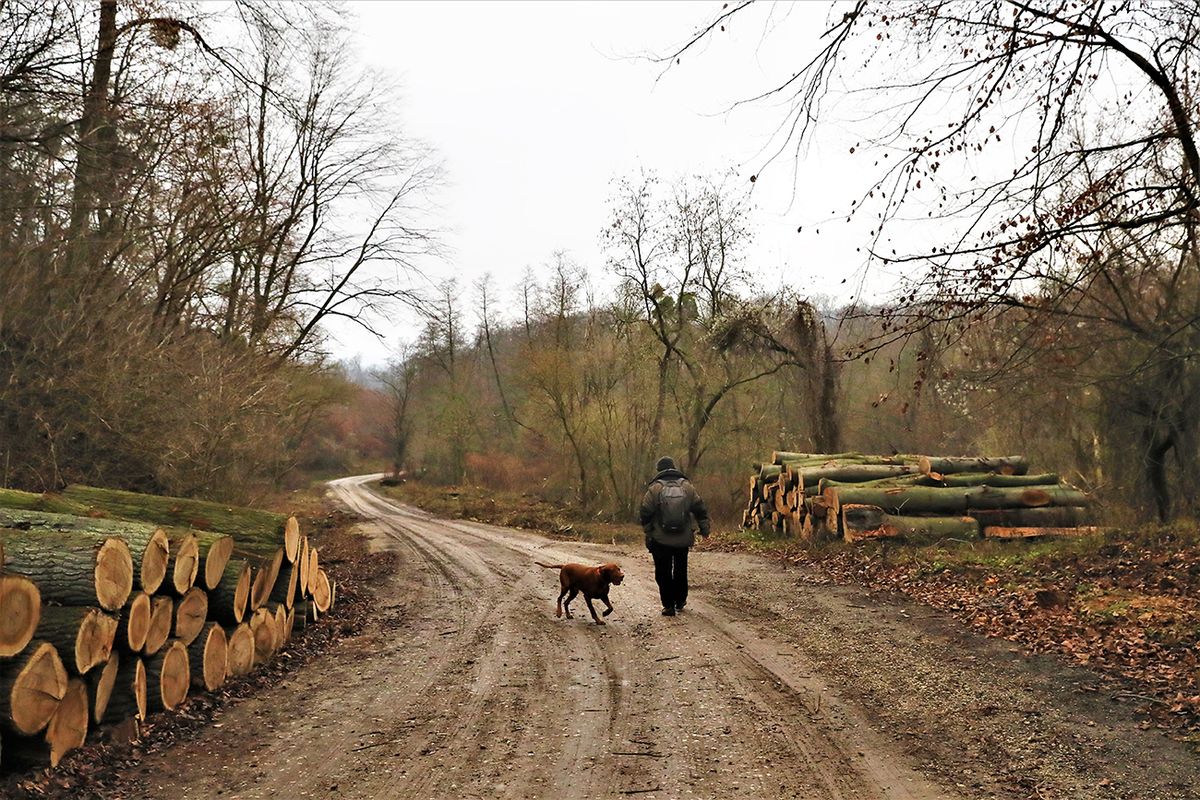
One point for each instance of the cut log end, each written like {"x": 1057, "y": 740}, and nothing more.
{"x": 241, "y": 649}
{"x": 185, "y": 564}
{"x": 94, "y": 642}
{"x": 169, "y": 677}
{"x": 22, "y": 604}
{"x": 190, "y": 614}
{"x": 263, "y": 629}
{"x": 322, "y": 592}
{"x": 101, "y": 683}
{"x": 162, "y": 614}
{"x": 32, "y": 692}
{"x": 68, "y": 728}
{"x": 113, "y": 574}
{"x": 155, "y": 559}
{"x": 215, "y": 561}
{"x": 208, "y": 658}
{"x": 291, "y": 539}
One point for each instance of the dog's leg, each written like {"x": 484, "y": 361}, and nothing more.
{"x": 558, "y": 606}
{"x": 567, "y": 603}
{"x": 587, "y": 599}
{"x": 609, "y": 609}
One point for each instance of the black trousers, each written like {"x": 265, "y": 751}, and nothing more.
{"x": 670, "y": 572}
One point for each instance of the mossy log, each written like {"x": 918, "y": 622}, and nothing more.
{"x": 82, "y": 635}
{"x": 191, "y": 612}
{"x": 20, "y": 612}
{"x": 185, "y": 562}
{"x": 227, "y": 603}
{"x": 215, "y": 551}
{"x": 168, "y": 677}
{"x": 71, "y": 568}
{"x": 101, "y": 682}
{"x": 208, "y": 658}
{"x": 148, "y": 546}
{"x": 129, "y": 693}
{"x": 856, "y": 473}
{"x": 240, "y": 650}
{"x": 862, "y": 522}
{"x": 1005, "y": 465}
{"x": 31, "y": 501}
{"x": 31, "y": 687}
{"x": 133, "y": 623}
{"x": 162, "y": 620}
{"x": 911, "y": 500}
{"x": 180, "y": 512}
{"x": 1046, "y": 517}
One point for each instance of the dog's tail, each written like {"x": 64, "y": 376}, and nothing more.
{"x": 549, "y": 566}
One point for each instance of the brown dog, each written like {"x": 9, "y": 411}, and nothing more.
{"x": 591, "y": 582}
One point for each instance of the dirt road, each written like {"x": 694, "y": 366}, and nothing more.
{"x": 768, "y": 686}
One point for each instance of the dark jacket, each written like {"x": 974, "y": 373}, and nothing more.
{"x": 650, "y": 518}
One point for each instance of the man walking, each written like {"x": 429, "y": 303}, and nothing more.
{"x": 667, "y": 511}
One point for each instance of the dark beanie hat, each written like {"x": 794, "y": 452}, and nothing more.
{"x": 665, "y": 463}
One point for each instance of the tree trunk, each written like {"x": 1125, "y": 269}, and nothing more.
{"x": 190, "y": 614}
{"x": 215, "y": 552}
{"x": 935, "y": 500}
{"x": 69, "y": 726}
{"x": 855, "y": 473}
{"x": 162, "y": 619}
{"x": 322, "y": 593}
{"x": 1005, "y": 465}
{"x": 263, "y": 579}
{"x": 998, "y": 532}
{"x": 1050, "y": 516}
{"x": 148, "y": 546}
{"x": 861, "y": 522}
{"x": 83, "y": 636}
{"x": 208, "y": 658}
{"x": 262, "y": 628}
{"x": 22, "y": 607}
{"x": 168, "y": 677}
{"x": 185, "y": 562}
{"x": 227, "y": 602}
{"x": 284, "y": 590}
{"x": 70, "y": 568}
{"x": 100, "y": 686}
{"x": 129, "y": 694}
{"x": 133, "y": 623}
{"x": 241, "y": 649}
{"x": 314, "y": 566}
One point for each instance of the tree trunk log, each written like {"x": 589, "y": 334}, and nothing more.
{"x": 998, "y": 532}
{"x": 147, "y": 543}
{"x": 208, "y": 658}
{"x": 302, "y": 565}
{"x": 215, "y": 551}
{"x": 168, "y": 677}
{"x": 263, "y": 578}
{"x": 227, "y": 603}
{"x": 1005, "y": 465}
{"x": 185, "y": 562}
{"x": 1047, "y": 517}
{"x": 314, "y": 565}
{"x": 69, "y": 726}
{"x": 862, "y": 522}
{"x": 83, "y": 636}
{"x": 190, "y": 614}
{"x": 133, "y": 623}
{"x": 284, "y": 590}
{"x": 953, "y": 500}
{"x": 241, "y": 649}
{"x": 323, "y": 592}
{"x": 262, "y": 627}
{"x": 100, "y": 686}
{"x": 129, "y": 694}
{"x": 162, "y": 620}
{"x": 70, "y": 568}
{"x": 22, "y": 609}
{"x": 856, "y": 473}
{"x": 31, "y": 687}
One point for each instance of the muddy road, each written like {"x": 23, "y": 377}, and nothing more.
{"x": 769, "y": 685}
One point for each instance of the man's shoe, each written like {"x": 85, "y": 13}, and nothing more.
{"x": 668, "y": 612}
{"x": 678, "y": 609}
{"x": 679, "y": 606}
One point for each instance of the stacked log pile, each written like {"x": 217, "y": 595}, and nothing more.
{"x": 114, "y": 605}
{"x": 858, "y": 497}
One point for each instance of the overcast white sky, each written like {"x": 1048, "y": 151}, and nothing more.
{"x": 535, "y": 108}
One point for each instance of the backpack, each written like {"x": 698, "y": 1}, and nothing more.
{"x": 674, "y": 506}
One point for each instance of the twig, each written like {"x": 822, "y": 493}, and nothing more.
{"x": 634, "y": 753}
{"x": 642, "y": 791}
{"x": 1154, "y": 700}
{"x": 376, "y": 744}
{"x": 667, "y": 658}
